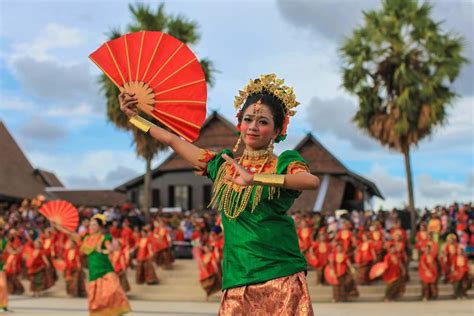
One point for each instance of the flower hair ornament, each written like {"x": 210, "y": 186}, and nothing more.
{"x": 272, "y": 85}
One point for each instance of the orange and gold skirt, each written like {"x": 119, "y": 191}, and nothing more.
{"x": 283, "y": 296}
{"x": 3, "y": 290}
{"x": 106, "y": 296}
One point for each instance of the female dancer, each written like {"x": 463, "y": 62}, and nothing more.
{"x": 105, "y": 295}
{"x": 428, "y": 271}
{"x": 38, "y": 265}
{"x": 394, "y": 275}
{"x": 3, "y": 277}
{"x": 73, "y": 273}
{"x": 261, "y": 252}
{"x": 145, "y": 271}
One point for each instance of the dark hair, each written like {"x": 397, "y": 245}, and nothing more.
{"x": 99, "y": 222}
{"x": 270, "y": 100}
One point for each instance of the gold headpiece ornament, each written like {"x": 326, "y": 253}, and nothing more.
{"x": 272, "y": 85}
{"x": 100, "y": 217}
{"x": 451, "y": 236}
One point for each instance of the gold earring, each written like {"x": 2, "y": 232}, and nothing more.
{"x": 236, "y": 147}
{"x": 270, "y": 147}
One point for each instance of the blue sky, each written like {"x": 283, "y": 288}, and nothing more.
{"x": 51, "y": 102}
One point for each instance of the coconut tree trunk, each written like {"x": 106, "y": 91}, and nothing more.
{"x": 411, "y": 200}
{"x": 147, "y": 189}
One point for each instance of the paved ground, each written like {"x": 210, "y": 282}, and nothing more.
{"x": 23, "y": 306}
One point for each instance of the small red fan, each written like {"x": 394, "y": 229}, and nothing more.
{"x": 62, "y": 213}
{"x": 59, "y": 264}
{"x": 377, "y": 270}
{"x": 164, "y": 74}
{"x": 428, "y": 276}
{"x": 330, "y": 275}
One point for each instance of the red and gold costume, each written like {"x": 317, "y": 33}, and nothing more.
{"x": 119, "y": 259}
{"x": 12, "y": 259}
{"x": 378, "y": 237}
{"x": 321, "y": 249}
{"x": 37, "y": 264}
{"x": 346, "y": 287}
{"x": 209, "y": 270}
{"x": 422, "y": 239}
{"x": 73, "y": 273}
{"x": 162, "y": 247}
{"x": 345, "y": 237}
{"x": 145, "y": 272}
{"x": 428, "y": 271}
{"x": 449, "y": 251}
{"x": 49, "y": 245}
{"x": 394, "y": 276}
{"x": 459, "y": 275}
{"x": 3, "y": 277}
{"x": 364, "y": 258}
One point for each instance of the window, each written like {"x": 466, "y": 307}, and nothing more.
{"x": 155, "y": 198}
{"x": 206, "y": 195}
{"x": 180, "y": 196}
{"x": 134, "y": 197}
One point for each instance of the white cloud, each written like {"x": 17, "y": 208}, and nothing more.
{"x": 91, "y": 170}
{"x": 389, "y": 185}
{"x": 335, "y": 20}
{"x": 52, "y": 80}
{"x": 429, "y": 191}
{"x": 335, "y": 116}
{"x": 431, "y": 188}
{"x": 64, "y": 86}
{"x": 82, "y": 110}
{"x": 39, "y": 129}
{"x": 15, "y": 103}
{"x": 458, "y": 133}
{"x": 53, "y": 36}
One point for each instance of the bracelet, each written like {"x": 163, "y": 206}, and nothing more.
{"x": 276, "y": 180}
{"x": 141, "y": 123}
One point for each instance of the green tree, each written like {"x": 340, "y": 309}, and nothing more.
{"x": 144, "y": 18}
{"x": 400, "y": 66}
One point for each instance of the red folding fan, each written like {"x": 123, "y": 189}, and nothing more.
{"x": 330, "y": 275}
{"x": 164, "y": 74}
{"x": 62, "y": 213}
{"x": 377, "y": 270}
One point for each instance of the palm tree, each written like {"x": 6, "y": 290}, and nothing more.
{"x": 400, "y": 65}
{"x": 183, "y": 29}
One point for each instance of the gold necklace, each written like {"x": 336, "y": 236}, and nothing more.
{"x": 256, "y": 154}
{"x": 239, "y": 199}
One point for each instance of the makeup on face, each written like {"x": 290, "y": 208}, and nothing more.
{"x": 257, "y": 127}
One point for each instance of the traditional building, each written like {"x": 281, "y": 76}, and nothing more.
{"x": 20, "y": 180}
{"x": 175, "y": 185}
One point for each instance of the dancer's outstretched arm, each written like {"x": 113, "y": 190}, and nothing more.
{"x": 190, "y": 152}
{"x": 71, "y": 234}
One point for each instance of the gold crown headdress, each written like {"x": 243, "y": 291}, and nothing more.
{"x": 271, "y": 84}
{"x": 100, "y": 217}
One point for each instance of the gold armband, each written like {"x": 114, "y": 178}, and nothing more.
{"x": 275, "y": 180}
{"x": 141, "y": 123}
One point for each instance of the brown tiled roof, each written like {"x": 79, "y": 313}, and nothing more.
{"x": 17, "y": 176}
{"x": 321, "y": 161}
{"x": 89, "y": 198}
{"x": 48, "y": 178}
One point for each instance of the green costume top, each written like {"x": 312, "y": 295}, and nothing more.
{"x": 99, "y": 263}
{"x": 261, "y": 244}
{"x": 3, "y": 245}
